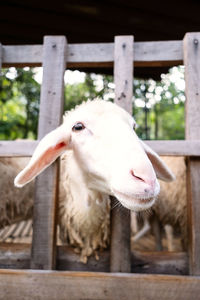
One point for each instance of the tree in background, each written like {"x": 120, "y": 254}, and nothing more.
{"x": 158, "y": 107}
{"x": 19, "y": 104}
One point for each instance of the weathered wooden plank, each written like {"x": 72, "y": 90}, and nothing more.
{"x": 163, "y": 53}
{"x": 32, "y": 284}
{"x": 192, "y": 77}
{"x": 51, "y": 110}
{"x": 120, "y": 259}
{"x": 162, "y": 147}
{"x": 176, "y": 147}
{"x": 158, "y": 53}
{"x": 159, "y": 262}
{"x": 17, "y": 256}
{"x": 17, "y": 148}
{"x": 22, "y": 55}
{"x": 123, "y": 72}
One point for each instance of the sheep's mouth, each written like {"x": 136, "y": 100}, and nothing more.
{"x": 134, "y": 202}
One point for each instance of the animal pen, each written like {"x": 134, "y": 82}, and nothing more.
{"x": 48, "y": 271}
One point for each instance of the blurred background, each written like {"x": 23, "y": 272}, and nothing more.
{"x": 159, "y": 92}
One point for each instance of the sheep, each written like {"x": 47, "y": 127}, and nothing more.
{"x": 101, "y": 156}
{"x": 15, "y": 204}
{"x": 170, "y": 208}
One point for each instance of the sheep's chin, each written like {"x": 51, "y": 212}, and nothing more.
{"x": 133, "y": 203}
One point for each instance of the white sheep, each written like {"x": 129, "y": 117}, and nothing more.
{"x": 102, "y": 156}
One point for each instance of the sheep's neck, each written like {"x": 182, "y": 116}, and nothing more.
{"x": 84, "y": 201}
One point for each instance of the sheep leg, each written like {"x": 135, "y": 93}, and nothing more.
{"x": 157, "y": 233}
{"x": 134, "y": 222}
{"x": 170, "y": 237}
{"x": 146, "y": 227}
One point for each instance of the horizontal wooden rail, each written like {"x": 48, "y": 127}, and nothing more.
{"x": 176, "y": 147}
{"x": 17, "y": 256}
{"x": 171, "y": 148}
{"x": 166, "y": 53}
{"x": 17, "y": 148}
{"x": 23, "y": 284}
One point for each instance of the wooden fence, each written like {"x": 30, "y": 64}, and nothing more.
{"x": 55, "y": 55}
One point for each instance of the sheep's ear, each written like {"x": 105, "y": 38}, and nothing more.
{"x": 48, "y": 149}
{"x": 161, "y": 169}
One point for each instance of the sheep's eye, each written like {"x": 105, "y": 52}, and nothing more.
{"x": 78, "y": 126}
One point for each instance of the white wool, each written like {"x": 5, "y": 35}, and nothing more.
{"x": 84, "y": 214}
{"x": 15, "y": 204}
{"x": 170, "y": 208}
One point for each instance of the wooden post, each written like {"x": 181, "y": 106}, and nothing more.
{"x": 192, "y": 78}
{"x": 120, "y": 258}
{"x": 51, "y": 110}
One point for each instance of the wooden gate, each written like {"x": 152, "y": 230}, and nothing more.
{"x": 41, "y": 279}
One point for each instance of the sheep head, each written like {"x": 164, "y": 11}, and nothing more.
{"x": 111, "y": 157}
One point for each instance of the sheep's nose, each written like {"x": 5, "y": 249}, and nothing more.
{"x": 149, "y": 181}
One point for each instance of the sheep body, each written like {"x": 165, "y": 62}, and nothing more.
{"x": 170, "y": 209}
{"x": 15, "y": 204}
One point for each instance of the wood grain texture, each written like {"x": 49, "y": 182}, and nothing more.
{"x": 120, "y": 258}
{"x": 34, "y": 284}
{"x": 192, "y": 77}
{"x": 161, "y": 53}
{"x": 174, "y": 148}
{"x": 46, "y": 188}
{"x": 17, "y": 256}
{"x": 123, "y": 72}
{"x": 17, "y": 148}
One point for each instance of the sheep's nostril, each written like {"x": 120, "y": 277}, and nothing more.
{"x": 137, "y": 177}
{"x": 149, "y": 181}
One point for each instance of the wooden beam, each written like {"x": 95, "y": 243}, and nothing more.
{"x": 164, "y": 53}
{"x": 159, "y": 262}
{"x": 176, "y": 147}
{"x": 17, "y": 256}
{"x": 158, "y": 53}
{"x": 17, "y": 148}
{"x": 123, "y": 72}
{"x": 51, "y": 110}
{"x": 120, "y": 258}
{"x": 192, "y": 80}
{"x": 162, "y": 147}
{"x": 29, "y": 284}
{"x": 22, "y": 55}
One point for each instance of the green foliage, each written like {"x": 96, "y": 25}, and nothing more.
{"x": 79, "y": 92}
{"x": 158, "y": 107}
{"x": 19, "y": 104}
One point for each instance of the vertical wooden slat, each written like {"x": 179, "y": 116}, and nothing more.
{"x": 192, "y": 77}
{"x": 120, "y": 260}
{"x": 51, "y": 110}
